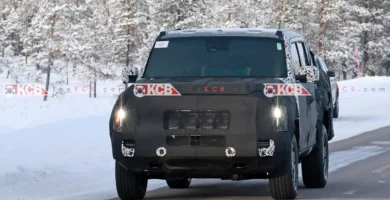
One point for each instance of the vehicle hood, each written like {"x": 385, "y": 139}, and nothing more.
{"x": 244, "y": 99}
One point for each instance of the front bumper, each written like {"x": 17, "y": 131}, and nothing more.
{"x": 241, "y": 154}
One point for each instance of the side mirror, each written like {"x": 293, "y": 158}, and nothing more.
{"x": 129, "y": 75}
{"x": 331, "y": 74}
{"x": 311, "y": 73}
{"x": 301, "y": 78}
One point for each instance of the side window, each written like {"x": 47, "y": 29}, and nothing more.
{"x": 324, "y": 66}
{"x": 317, "y": 62}
{"x": 295, "y": 57}
{"x": 309, "y": 58}
{"x": 302, "y": 54}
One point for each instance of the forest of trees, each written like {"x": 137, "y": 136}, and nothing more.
{"x": 104, "y": 36}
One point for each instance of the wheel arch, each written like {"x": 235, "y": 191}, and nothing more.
{"x": 326, "y": 122}
{"x": 297, "y": 132}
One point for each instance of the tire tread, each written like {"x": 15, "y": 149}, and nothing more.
{"x": 281, "y": 186}
{"x": 312, "y": 165}
{"x": 127, "y": 184}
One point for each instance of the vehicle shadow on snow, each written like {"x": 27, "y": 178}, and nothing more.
{"x": 352, "y": 118}
{"x": 215, "y": 191}
{"x": 252, "y": 189}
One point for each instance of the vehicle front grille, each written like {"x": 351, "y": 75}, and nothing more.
{"x": 196, "y": 120}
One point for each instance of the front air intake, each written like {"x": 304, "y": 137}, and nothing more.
{"x": 196, "y": 120}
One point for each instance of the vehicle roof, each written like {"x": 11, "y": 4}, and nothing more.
{"x": 243, "y": 32}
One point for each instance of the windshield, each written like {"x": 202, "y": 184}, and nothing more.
{"x": 217, "y": 57}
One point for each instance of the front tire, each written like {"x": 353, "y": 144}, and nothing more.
{"x": 179, "y": 183}
{"x": 129, "y": 185}
{"x": 284, "y": 182}
{"x": 315, "y": 166}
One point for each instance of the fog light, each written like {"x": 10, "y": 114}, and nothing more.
{"x": 230, "y": 152}
{"x": 127, "y": 152}
{"x": 161, "y": 152}
{"x": 266, "y": 151}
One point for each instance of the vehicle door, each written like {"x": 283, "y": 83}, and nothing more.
{"x": 308, "y": 107}
{"x": 304, "y": 102}
{"x": 333, "y": 82}
{"x": 325, "y": 83}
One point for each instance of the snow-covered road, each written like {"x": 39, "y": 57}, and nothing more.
{"x": 61, "y": 150}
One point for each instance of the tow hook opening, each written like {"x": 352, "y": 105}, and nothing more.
{"x": 155, "y": 165}
{"x": 129, "y": 143}
{"x": 239, "y": 166}
{"x": 236, "y": 177}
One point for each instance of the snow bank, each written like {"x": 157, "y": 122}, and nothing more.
{"x": 364, "y": 106}
{"x": 59, "y": 149}
{"x": 20, "y": 112}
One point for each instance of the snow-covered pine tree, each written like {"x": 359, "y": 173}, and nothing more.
{"x": 254, "y": 14}
{"x": 125, "y": 40}
{"x": 340, "y": 36}
{"x": 12, "y": 28}
{"x": 105, "y": 36}
{"x": 180, "y": 14}
{"x": 47, "y": 33}
{"x": 301, "y": 15}
{"x": 135, "y": 29}
{"x": 14, "y": 64}
{"x": 351, "y": 24}
{"x": 223, "y": 13}
{"x": 375, "y": 40}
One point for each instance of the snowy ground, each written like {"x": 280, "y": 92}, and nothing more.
{"x": 362, "y": 106}
{"x": 60, "y": 149}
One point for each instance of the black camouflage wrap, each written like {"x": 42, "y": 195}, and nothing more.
{"x": 250, "y": 112}
{"x": 251, "y": 120}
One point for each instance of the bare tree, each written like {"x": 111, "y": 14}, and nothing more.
{"x": 51, "y": 55}
{"x": 322, "y": 28}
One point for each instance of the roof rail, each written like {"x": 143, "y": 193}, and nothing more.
{"x": 276, "y": 25}
{"x": 287, "y": 29}
{"x": 164, "y": 32}
{"x": 279, "y": 33}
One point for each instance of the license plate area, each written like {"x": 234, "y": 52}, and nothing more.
{"x": 196, "y": 120}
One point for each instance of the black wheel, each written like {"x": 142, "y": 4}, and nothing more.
{"x": 315, "y": 165}
{"x": 284, "y": 181}
{"x": 336, "y": 110}
{"x": 130, "y": 186}
{"x": 179, "y": 183}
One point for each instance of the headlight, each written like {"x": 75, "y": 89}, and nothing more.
{"x": 280, "y": 118}
{"x": 119, "y": 116}
{"x": 277, "y": 112}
